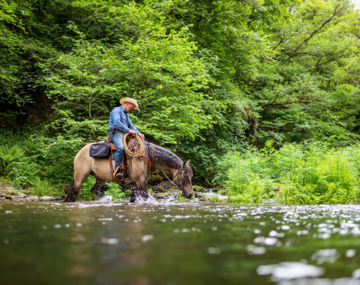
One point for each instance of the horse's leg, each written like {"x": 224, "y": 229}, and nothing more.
{"x": 83, "y": 165}
{"x": 73, "y": 191}
{"x": 104, "y": 188}
{"x": 70, "y": 193}
{"x": 141, "y": 190}
{"x": 75, "y": 187}
{"x": 138, "y": 172}
{"x": 96, "y": 189}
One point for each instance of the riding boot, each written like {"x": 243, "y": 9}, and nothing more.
{"x": 117, "y": 172}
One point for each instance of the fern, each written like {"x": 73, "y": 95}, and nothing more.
{"x": 8, "y": 157}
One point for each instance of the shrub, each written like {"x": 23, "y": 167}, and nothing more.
{"x": 116, "y": 192}
{"x": 43, "y": 187}
{"x": 32, "y": 159}
{"x": 9, "y": 155}
{"x": 294, "y": 174}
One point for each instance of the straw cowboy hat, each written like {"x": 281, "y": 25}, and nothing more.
{"x": 130, "y": 100}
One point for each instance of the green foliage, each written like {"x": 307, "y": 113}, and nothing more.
{"x": 85, "y": 193}
{"x": 294, "y": 174}
{"x": 44, "y": 187}
{"x": 30, "y": 160}
{"x": 211, "y": 77}
{"x": 160, "y": 68}
{"x": 25, "y": 172}
{"x": 113, "y": 189}
{"x": 117, "y": 192}
{"x": 8, "y": 157}
{"x": 16, "y": 165}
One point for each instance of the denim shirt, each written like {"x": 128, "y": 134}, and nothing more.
{"x": 121, "y": 120}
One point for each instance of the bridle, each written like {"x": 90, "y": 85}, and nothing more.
{"x": 173, "y": 177}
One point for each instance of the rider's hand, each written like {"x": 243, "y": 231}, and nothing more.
{"x": 132, "y": 132}
{"x": 141, "y": 135}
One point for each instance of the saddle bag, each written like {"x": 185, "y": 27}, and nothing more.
{"x": 100, "y": 150}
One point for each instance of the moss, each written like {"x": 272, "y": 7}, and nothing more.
{"x": 198, "y": 188}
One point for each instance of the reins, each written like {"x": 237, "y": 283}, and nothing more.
{"x": 169, "y": 178}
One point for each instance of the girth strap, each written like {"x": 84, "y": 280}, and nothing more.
{"x": 111, "y": 165}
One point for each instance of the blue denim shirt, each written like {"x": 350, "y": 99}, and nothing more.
{"x": 121, "y": 120}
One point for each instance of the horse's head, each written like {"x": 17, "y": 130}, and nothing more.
{"x": 183, "y": 179}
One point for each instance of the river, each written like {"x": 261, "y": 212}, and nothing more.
{"x": 178, "y": 243}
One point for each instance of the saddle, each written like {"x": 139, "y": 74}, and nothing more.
{"x": 112, "y": 157}
{"x": 113, "y": 146}
{"x": 132, "y": 149}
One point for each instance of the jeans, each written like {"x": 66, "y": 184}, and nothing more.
{"x": 118, "y": 140}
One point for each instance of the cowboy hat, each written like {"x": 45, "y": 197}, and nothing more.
{"x": 130, "y": 100}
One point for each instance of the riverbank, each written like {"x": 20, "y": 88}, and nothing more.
{"x": 163, "y": 190}
{"x": 10, "y": 193}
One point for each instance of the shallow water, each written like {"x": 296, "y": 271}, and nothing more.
{"x": 178, "y": 243}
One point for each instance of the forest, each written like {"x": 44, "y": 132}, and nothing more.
{"x": 262, "y": 95}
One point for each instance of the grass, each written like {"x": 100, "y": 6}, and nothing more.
{"x": 44, "y": 188}
{"x": 117, "y": 192}
{"x": 294, "y": 174}
{"x": 114, "y": 190}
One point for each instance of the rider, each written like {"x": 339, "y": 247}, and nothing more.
{"x": 119, "y": 125}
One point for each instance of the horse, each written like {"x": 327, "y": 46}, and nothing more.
{"x": 139, "y": 171}
{"x": 163, "y": 159}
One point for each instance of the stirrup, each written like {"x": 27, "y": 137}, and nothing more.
{"x": 117, "y": 172}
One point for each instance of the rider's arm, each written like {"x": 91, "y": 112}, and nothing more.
{"x": 118, "y": 119}
{"x": 131, "y": 126}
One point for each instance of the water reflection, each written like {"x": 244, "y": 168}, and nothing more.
{"x": 174, "y": 243}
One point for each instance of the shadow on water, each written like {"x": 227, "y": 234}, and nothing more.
{"x": 178, "y": 243}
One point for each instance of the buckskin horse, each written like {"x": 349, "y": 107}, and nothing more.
{"x": 139, "y": 171}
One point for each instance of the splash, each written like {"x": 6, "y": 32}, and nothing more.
{"x": 289, "y": 271}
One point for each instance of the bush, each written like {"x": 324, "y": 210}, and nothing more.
{"x": 30, "y": 159}
{"x": 113, "y": 190}
{"x": 294, "y": 174}
{"x": 117, "y": 192}
{"x": 9, "y": 155}
{"x": 43, "y": 187}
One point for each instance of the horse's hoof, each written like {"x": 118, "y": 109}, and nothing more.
{"x": 100, "y": 195}
{"x": 145, "y": 194}
{"x": 67, "y": 200}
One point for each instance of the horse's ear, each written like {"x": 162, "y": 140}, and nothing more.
{"x": 186, "y": 163}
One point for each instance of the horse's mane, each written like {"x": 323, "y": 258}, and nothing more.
{"x": 163, "y": 156}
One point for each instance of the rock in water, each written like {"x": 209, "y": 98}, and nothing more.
{"x": 106, "y": 199}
